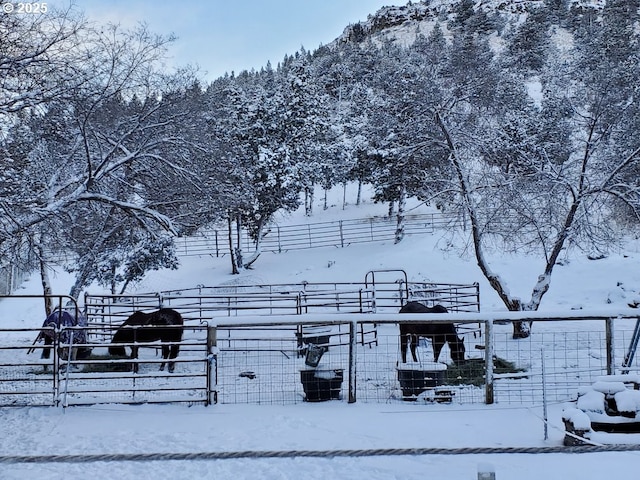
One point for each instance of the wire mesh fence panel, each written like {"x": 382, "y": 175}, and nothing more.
{"x": 564, "y": 361}
{"x": 290, "y": 361}
{"x": 265, "y": 365}
{"x": 376, "y": 367}
{"x": 558, "y": 359}
{"x": 384, "y": 377}
{"x": 105, "y": 378}
{"x": 257, "y": 374}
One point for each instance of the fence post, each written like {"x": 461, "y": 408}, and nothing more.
{"x": 352, "y": 361}
{"x": 279, "y": 244}
{"x": 212, "y": 365}
{"x": 609, "y": 345}
{"x": 486, "y": 471}
{"x": 488, "y": 358}
{"x": 341, "y": 234}
{"x": 11, "y": 281}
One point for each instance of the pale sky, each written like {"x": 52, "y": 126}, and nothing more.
{"x": 233, "y": 35}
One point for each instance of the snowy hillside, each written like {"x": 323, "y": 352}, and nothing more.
{"x": 441, "y": 257}
{"x": 330, "y": 426}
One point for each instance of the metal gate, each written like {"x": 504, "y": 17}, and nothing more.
{"x": 27, "y": 379}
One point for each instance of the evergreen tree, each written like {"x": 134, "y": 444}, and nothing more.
{"x": 527, "y": 47}
{"x": 307, "y": 123}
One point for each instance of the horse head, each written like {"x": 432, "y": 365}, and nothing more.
{"x": 438, "y": 333}
{"x": 117, "y": 351}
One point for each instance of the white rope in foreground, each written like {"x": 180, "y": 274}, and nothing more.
{"x": 147, "y": 457}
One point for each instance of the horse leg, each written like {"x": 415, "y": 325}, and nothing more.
{"x": 175, "y": 349}
{"x": 165, "y": 355}
{"x": 414, "y": 344}
{"x": 437, "y": 342}
{"x": 134, "y": 358}
{"x": 46, "y": 351}
{"x": 404, "y": 339}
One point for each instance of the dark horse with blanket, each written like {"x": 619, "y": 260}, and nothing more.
{"x": 57, "y": 327}
{"x": 438, "y": 333}
{"x": 165, "y": 325}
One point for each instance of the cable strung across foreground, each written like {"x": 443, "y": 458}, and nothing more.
{"x": 147, "y": 457}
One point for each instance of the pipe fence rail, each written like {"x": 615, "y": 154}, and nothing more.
{"x": 306, "y": 297}
{"x": 29, "y": 379}
{"x": 341, "y": 233}
{"x": 385, "y": 290}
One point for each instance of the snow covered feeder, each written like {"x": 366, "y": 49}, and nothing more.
{"x": 577, "y": 425}
{"x": 416, "y": 380}
{"x": 612, "y": 404}
{"x": 320, "y": 385}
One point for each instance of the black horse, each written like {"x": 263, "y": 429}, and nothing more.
{"x": 438, "y": 333}
{"x": 165, "y": 325}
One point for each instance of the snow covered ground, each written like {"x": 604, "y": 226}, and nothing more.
{"x": 116, "y": 429}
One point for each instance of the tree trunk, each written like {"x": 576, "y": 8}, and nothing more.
{"x": 78, "y": 285}
{"x": 113, "y": 280}
{"x": 520, "y": 329}
{"x": 402, "y": 200}
{"x": 308, "y": 200}
{"x": 239, "y": 261}
{"x": 359, "y": 196}
{"x": 234, "y": 268}
{"x": 307, "y": 209}
{"x": 46, "y": 287}
{"x": 258, "y": 250}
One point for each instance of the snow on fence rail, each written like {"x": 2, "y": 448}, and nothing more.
{"x": 339, "y": 233}
{"x": 204, "y": 304}
{"x": 305, "y": 297}
{"x": 259, "y": 359}
{"x": 27, "y": 379}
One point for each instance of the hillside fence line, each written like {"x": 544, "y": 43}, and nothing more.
{"x": 339, "y": 233}
{"x": 278, "y": 239}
